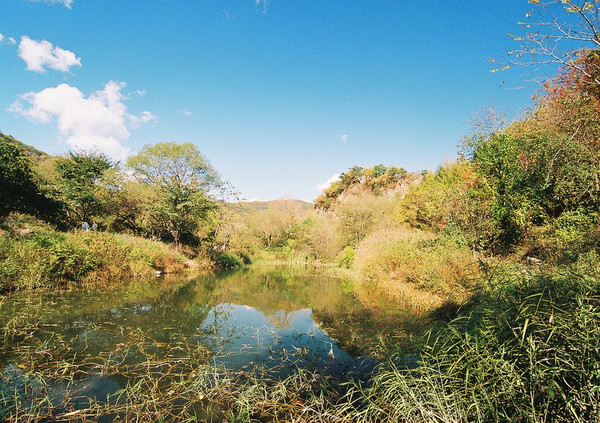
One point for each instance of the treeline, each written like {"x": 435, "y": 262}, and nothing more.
{"x": 167, "y": 193}
{"x": 164, "y": 192}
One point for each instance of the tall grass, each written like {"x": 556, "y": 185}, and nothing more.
{"x": 417, "y": 268}
{"x": 525, "y": 349}
{"x": 34, "y": 254}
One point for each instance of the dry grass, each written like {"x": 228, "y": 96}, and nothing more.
{"x": 416, "y": 268}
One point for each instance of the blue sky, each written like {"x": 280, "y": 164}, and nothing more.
{"x": 279, "y": 95}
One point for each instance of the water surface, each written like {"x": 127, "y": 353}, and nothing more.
{"x": 278, "y": 319}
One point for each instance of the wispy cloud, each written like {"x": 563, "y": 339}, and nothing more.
{"x": 324, "y": 185}
{"x": 97, "y": 122}
{"x": 39, "y": 55}
{"x": 66, "y": 3}
{"x": 261, "y": 5}
{"x": 145, "y": 117}
{"x": 186, "y": 112}
{"x": 7, "y": 40}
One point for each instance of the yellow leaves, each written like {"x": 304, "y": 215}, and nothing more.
{"x": 500, "y": 69}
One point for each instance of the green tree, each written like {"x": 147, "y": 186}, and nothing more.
{"x": 79, "y": 174}
{"x": 352, "y": 176}
{"x": 129, "y": 204}
{"x": 19, "y": 189}
{"x": 533, "y": 179}
{"x": 183, "y": 178}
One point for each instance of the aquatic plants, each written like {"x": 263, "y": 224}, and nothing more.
{"x": 525, "y": 348}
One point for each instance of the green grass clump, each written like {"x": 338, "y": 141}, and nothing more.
{"x": 228, "y": 260}
{"x": 527, "y": 349}
{"x": 34, "y": 254}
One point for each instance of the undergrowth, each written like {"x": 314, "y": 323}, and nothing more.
{"x": 33, "y": 254}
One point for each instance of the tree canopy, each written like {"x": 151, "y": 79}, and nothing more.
{"x": 182, "y": 179}
{"x": 172, "y": 165}
{"x": 19, "y": 188}
{"x": 79, "y": 174}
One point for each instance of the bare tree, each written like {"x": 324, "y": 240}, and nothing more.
{"x": 560, "y": 32}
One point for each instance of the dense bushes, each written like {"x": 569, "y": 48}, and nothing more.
{"x": 227, "y": 260}
{"x": 20, "y": 189}
{"x": 452, "y": 197}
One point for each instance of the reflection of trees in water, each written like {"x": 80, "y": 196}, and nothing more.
{"x": 196, "y": 311}
{"x": 273, "y": 290}
{"x": 279, "y": 291}
{"x": 279, "y": 319}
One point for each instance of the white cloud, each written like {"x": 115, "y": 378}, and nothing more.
{"x": 186, "y": 112}
{"x": 41, "y": 54}
{"x": 344, "y": 138}
{"x": 145, "y": 117}
{"x": 263, "y": 4}
{"x": 322, "y": 186}
{"x": 7, "y": 40}
{"x": 99, "y": 122}
{"x": 65, "y": 3}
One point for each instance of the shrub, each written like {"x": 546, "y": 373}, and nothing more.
{"x": 346, "y": 257}
{"x": 452, "y": 196}
{"x": 228, "y": 261}
{"x": 33, "y": 254}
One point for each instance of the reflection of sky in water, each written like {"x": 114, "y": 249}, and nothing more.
{"x": 242, "y": 336}
{"x": 276, "y": 319}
